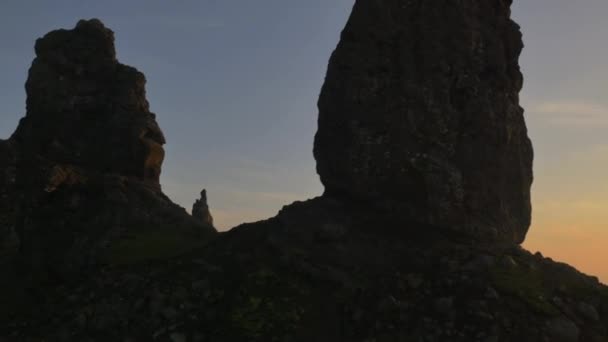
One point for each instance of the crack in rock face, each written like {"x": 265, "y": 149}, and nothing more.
{"x": 420, "y": 115}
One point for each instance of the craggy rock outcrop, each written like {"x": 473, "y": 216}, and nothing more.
{"x": 89, "y": 156}
{"x": 420, "y": 114}
{"x": 200, "y": 210}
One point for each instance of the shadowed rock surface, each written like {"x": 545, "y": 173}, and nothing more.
{"x": 420, "y": 114}
{"x": 334, "y": 268}
{"x": 9, "y": 242}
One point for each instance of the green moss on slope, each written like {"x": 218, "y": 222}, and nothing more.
{"x": 155, "y": 244}
{"x": 526, "y": 285}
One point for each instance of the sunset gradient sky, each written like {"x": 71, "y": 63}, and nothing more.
{"x": 235, "y": 84}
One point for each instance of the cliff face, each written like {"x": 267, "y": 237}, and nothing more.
{"x": 420, "y": 114}
{"x": 87, "y": 157}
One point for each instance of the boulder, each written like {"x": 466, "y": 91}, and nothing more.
{"x": 419, "y": 115}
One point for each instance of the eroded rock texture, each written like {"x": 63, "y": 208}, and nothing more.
{"x": 420, "y": 114}
{"x": 89, "y": 156}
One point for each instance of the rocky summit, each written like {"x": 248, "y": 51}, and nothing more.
{"x": 420, "y": 115}
{"x": 423, "y": 151}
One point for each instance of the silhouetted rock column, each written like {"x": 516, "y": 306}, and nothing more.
{"x": 89, "y": 156}
{"x": 420, "y": 114}
{"x": 200, "y": 210}
{"x": 84, "y": 108}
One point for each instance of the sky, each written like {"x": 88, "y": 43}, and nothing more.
{"x": 235, "y": 83}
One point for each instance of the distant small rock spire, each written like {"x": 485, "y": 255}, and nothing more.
{"x": 200, "y": 210}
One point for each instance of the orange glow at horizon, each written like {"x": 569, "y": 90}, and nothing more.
{"x": 579, "y": 247}
{"x": 570, "y": 212}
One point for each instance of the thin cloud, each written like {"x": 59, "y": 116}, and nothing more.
{"x": 572, "y": 113}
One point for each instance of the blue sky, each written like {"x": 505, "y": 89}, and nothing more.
{"x": 235, "y": 85}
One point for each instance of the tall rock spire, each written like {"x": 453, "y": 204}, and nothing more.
{"x": 86, "y": 109}
{"x": 420, "y": 114}
{"x": 89, "y": 156}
